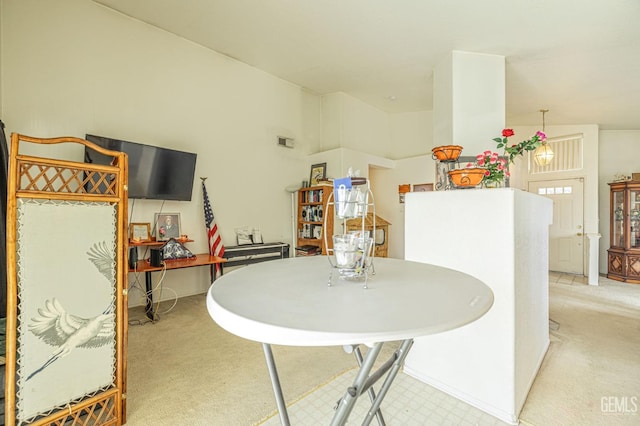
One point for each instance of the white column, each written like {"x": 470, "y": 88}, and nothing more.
{"x": 593, "y": 258}
{"x": 469, "y": 101}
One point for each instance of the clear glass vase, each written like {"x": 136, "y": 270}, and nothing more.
{"x": 494, "y": 184}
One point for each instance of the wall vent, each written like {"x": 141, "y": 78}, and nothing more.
{"x": 285, "y": 142}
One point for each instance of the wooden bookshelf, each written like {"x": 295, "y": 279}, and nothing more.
{"x": 312, "y": 208}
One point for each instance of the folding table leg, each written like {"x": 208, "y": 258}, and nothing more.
{"x": 400, "y": 354}
{"x": 372, "y": 394}
{"x": 348, "y": 401}
{"x": 275, "y": 383}
{"x": 364, "y": 382}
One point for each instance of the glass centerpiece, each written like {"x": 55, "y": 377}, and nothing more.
{"x": 351, "y": 255}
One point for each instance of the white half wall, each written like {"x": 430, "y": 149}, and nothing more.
{"x": 499, "y": 236}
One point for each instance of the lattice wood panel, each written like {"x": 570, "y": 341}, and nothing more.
{"x": 37, "y": 176}
{"x": 45, "y": 185}
{"x": 96, "y": 411}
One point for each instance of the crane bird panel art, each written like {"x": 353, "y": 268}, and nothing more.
{"x": 67, "y": 309}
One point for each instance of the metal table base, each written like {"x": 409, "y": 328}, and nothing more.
{"x": 363, "y": 383}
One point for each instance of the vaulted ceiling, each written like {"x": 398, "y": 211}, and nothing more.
{"x": 579, "y": 59}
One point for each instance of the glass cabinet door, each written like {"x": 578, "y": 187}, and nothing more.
{"x": 634, "y": 218}
{"x": 617, "y": 207}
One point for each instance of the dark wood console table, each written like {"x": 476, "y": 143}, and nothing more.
{"x": 255, "y": 253}
{"x": 144, "y": 266}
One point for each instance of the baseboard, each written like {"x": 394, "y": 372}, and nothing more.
{"x": 141, "y": 302}
{"x": 520, "y": 404}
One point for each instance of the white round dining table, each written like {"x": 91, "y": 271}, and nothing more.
{"x": 295, "y": 302}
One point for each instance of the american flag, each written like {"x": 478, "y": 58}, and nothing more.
{"x": 216, "y": 247}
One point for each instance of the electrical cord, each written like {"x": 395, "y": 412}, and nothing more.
{"x": 175, "y": 302}
{"x": 137, "y": 285}
{"x": 160, "y": 288}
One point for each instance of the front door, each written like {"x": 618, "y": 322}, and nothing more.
{"x": 566, "y": 233}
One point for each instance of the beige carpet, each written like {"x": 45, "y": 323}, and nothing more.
{"x": 593, "y": 361}
{"x": 185, "y": 370}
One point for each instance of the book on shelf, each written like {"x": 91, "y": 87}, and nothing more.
{"x": 305, "y": 254}
{"x": 307, "y": 250}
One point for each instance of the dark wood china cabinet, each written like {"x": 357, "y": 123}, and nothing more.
{"x": 624, "y": 251}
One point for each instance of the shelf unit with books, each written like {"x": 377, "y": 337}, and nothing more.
{"x": 312, "y": 207}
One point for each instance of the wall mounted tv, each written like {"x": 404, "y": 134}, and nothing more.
{"x": 154, "y": 173}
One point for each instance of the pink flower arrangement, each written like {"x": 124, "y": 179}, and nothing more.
{"x": 495, "y": 166}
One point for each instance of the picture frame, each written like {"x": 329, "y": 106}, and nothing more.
{"x": 318, "y": 172}
{"x": 167, "y": 226}
{"x": 140, "y": 232}
{"x": 422, "y": 187}
{"x": 317, "y": 231}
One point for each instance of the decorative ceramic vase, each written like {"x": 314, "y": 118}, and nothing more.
{"x": 468, "y": 177}
{"x": 446, "y": 152}
{"x": 493, "y": 183}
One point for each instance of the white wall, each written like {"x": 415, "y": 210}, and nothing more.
{"x": 420, "y": 169}
{"x": 82, "y": 68}
{"x": 73, "y": 67}
{"x": 332, "y": 121}
{"x": 411, "y": 141}
{"x": 389, "y": 149}
{"x": 619, "y": 153}
{"x": 350, "y": 123}
{"x": 411, "y": 134}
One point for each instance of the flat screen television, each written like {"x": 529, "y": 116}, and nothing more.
{"x": 154, "y": 173}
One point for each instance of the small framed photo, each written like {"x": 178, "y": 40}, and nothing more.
{"x": 140, "y": 232}
{"x": 422, "y": 187}
{"x": 167, "y": 226}
{"x": 317, "y": 232}
{"x": 318, "y": 173}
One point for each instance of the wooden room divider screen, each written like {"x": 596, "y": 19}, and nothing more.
{"x": 66, "y": 292}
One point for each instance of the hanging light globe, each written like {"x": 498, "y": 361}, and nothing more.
{"x": 543, "y": 155}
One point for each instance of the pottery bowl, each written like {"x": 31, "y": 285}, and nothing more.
{"x": 446, "y": 152}
{"x": 465, "y": 178}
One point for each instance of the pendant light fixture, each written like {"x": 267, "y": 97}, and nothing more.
{"x": 543, "y": 154}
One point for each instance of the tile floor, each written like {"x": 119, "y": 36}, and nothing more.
{"x": 562, "y": 278}
{"x": 408, "y": 403}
